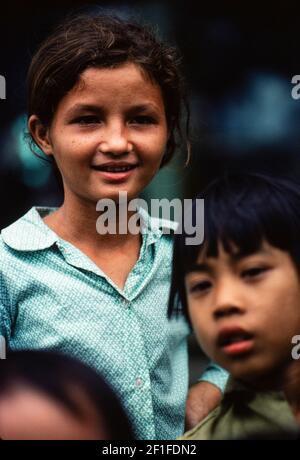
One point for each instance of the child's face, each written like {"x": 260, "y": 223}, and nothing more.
{"x": 245, "y": 311}
{"x": 114, "y": 118}
{"x": 26, "y": 413}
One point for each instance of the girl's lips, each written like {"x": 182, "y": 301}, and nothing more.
{"x": 118, "y": 176}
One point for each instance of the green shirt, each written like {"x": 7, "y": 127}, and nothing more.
{"x": 53, "y": 296}
{"x": 245, "y": 414}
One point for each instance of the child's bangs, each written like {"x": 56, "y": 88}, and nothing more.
{"x": 241, "y": 216}
{"x": 238, "y": 230}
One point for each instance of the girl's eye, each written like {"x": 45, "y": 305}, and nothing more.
{"x": 142, "y": 120}
{"x": 87, "y": 120}
{"x": 254, "y": 272}
{"x": 201, "y": 286}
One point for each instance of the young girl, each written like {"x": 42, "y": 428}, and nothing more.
{"x": 105, "y": 100}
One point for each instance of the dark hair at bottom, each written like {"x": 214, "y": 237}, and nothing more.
{"x": 241, "y": 210}
{"x": 55, "y": 374}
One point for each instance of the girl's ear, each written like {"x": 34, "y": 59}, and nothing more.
{"x": 40, "y": 134}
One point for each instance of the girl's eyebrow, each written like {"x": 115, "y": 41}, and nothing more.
{"x": 96, "y": 108}
{"x": 143, "y": 107}
{"x": 81, "y": 108}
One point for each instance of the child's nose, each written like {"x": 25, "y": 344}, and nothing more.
{"x": 114, "y": 140}
{"x": 226, "y": 310}
{"x": 228, "y": 301}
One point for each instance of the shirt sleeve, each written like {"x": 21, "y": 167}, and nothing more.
{"x": 216, "y": 375}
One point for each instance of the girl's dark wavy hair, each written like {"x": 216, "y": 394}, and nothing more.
{"x": 87, "y": 40}
{"x": 241, "y": 210}
{"x": 54, "y": 375}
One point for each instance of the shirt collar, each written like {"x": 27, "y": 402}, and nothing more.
{"x": 30, "y": 233}
{"x": 154, "y": 227}
{"x": 271, "y": 406}
{"x": 235, "y": 387}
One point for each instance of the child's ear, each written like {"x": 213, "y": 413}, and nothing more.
{"x": 40, "y": 133}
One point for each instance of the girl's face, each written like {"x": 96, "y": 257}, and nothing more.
{"x": 245, "y": 311}
{"x": 108, "y": 134}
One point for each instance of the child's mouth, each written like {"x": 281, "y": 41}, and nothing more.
{"x": 235, "y": 341}
{"x": 115, "y": 172}
{"x": 114, "y": 169}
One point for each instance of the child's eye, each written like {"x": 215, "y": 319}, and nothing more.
{"x": 201, "y": 286}
{"x": 87, "y": 120}
{"x": 253, "y": 272}
{"x": 142, "y": 120}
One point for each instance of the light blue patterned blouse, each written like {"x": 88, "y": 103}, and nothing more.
{"x": 54, "y": 297}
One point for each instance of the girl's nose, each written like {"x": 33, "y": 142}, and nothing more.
{"x": 115, "y": 140}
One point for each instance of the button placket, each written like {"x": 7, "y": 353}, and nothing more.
{"x": 126, "y": 303}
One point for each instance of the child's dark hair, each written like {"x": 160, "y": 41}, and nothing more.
{"x": 56, "y": 375}
{"x": 85, "y": 41}
{"x": 241, "y": 210}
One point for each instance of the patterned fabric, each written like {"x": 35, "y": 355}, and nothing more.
{"x": 247, "y": 414}
{"x": 54, "y": 297}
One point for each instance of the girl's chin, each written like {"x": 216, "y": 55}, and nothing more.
{"x": 121, "y": 195}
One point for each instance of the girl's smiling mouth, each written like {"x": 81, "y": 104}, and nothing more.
{"x": 115, "y": 171}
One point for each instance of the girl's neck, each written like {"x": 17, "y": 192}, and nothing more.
{"x": 115, "y": 254}
{"x": 78, "y": 224}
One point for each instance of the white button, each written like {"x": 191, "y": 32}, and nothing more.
{"x": 126, "y": 303}
{"x": 139, "y": 382}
